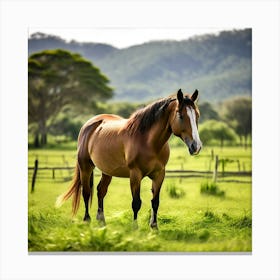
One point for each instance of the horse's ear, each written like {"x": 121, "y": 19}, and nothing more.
{"x": 180, "y": 96}
{"x": 194, "y": 95}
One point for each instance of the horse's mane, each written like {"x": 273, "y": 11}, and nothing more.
{"x": 143, "y": 119}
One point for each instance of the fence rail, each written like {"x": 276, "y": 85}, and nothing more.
{"x": 171, "y": 172}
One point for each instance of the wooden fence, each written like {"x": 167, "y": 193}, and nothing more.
{"x": 169, "y": 173}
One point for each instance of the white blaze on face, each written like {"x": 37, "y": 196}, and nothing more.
{"x": 192, "y": 117}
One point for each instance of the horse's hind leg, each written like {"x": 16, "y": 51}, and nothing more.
{"x": 87, "y": 180}
{"x": 102, "y": 188}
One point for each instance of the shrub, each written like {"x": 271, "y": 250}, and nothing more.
{"x": 211, "y": 189}
{"x": 204, "y": 235}
{"x": 213, "y": 130}
{"x": 175, "y": 192}
{"x": 243, "y": 222}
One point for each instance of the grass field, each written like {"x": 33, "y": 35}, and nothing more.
{"x": 189, "y": 220}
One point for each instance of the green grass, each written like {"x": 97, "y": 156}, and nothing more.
{"x": 188, "y": 220}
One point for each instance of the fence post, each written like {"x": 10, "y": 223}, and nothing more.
{"x": 238, "y": 165}
{"x": 34, "y": 175}
{"x": 212, "y": 154}
{"x": 223, "y": 166}
{"x": 215, "y": 173}
{"x": 244, "y": 168}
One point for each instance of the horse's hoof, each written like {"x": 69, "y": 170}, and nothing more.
{"x": 87, "y": 218}
{"x": 154, "y": 226}
{"x": 100, "y": 217}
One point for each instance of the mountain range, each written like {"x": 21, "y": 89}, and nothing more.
{"x": 219, "y": 65}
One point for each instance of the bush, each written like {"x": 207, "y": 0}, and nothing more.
{"x": 212, "y": 131}
{"x": 211, "y": 189}
{"x": 175, "y": 192}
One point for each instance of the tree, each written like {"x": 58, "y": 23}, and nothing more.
{"x": 238, "y": 112}
{"x": 66, "y": 127}
{"x": 208, "y": 112}
{"x": 216, "y": 130}
{"x": 124, "y": 109}
{"x": 58, "y": 78}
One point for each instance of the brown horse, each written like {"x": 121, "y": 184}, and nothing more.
{"x": 132, "y": 148}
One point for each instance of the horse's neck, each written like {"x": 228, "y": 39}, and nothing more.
{"x": 161, "y": 131}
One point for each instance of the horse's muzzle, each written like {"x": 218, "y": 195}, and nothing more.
{"x": 194, "y": 146}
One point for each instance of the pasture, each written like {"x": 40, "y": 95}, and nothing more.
{"x": 189, "y": 220}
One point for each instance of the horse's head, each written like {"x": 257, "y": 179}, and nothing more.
{"x": 184, "y": 124}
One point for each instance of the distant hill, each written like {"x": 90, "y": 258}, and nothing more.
{"x": 220, "y": 66}
{"x": 92, "y": 51}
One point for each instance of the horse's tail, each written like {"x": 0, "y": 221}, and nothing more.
{"x": 74, "y": 190}
{"x": 84, "y": 159}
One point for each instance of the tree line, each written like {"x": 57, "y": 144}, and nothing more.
{"x": 64, "y": 89}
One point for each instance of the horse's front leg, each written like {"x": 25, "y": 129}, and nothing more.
{"x": 135, "y": 182}
{"x": 157, "y": 180}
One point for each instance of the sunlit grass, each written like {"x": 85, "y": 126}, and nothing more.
{"x": 188, "y": 222}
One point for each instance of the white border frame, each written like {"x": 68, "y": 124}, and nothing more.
{"x": 17, "y": 16}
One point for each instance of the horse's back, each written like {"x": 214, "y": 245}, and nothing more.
{"x": 102, "y": 117}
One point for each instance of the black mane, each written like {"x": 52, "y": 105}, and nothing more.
{"x": 143, "y": 119}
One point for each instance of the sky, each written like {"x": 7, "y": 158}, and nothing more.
{"x": 125, "y": 37}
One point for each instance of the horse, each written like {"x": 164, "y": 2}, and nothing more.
{"x": 132, "y": 148}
